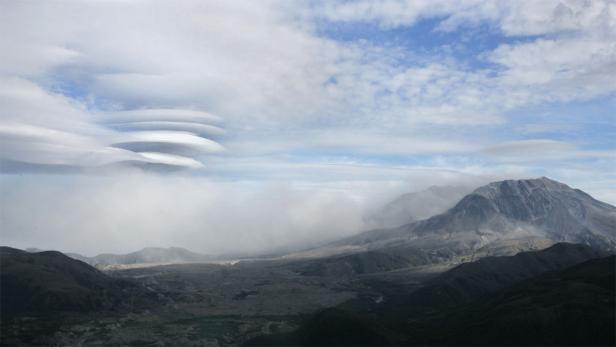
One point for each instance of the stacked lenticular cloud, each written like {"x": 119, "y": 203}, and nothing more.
{"x": 41, "y": 130}
{"x": 173, "y": 137}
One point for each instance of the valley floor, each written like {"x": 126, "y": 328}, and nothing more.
{"x": 212, "y": 304}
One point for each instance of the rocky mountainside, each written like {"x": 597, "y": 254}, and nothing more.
{"x": 501, "y": 218}
{"x": 536, "y": 206}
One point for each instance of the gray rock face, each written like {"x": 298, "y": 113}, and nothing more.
{"x": 541, "y": 207}
{"x": 507, "y": 214}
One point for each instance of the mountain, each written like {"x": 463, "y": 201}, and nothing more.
{"x": 548, "y": 208}
{"x": 470, "y": 281}
{"x": 149, "y": 255}
{"x": 563, "y": 295}
{"x": 498, "y": 219}
{"x": 574, "y": 306}
{"x": 49, "y": 281}
{"x": 71, "y": 255}
{"x": 416, "y": 206}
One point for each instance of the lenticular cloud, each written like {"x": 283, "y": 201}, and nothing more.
{"x": 42, "y": 130}
{"x": 174, "y": 137}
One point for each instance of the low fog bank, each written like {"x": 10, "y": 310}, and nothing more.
{"x": 124, "y": 213}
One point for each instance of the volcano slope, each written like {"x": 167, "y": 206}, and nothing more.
{"x": 501, "y": 218}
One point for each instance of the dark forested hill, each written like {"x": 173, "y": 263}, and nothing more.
{"x": 51, "y": 281}
{"x": 563, "y": 295}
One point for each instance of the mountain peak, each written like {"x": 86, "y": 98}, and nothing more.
{"x": 500, "y": 218}
{"x": 521, "y": 186}
{"x": 558, "y": 211}
{"x": 529, "y": 199}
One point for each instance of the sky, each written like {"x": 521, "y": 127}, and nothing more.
{"x": 242, "y": 126}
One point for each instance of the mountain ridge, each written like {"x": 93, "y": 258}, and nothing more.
{"x": 149, "y": 255}
{"x": 538, "y": 299}
{"x": 146, "y": 255}
{"x": 514, "y": 211}
{"x": 50, "y": 281}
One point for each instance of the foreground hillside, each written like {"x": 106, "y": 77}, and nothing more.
{"x": 574, "y": 306}
{"x": 50, "y": 282}
{"x": 517, "y": 300}
{"x": 45, "y": 291}
{"x": 470, "y": 281}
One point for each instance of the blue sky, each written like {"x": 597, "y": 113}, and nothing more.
{"x": 360, "y": 97}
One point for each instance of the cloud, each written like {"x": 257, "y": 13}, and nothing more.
{"x": 265, "y": 69}
{"x": 530, "y": 150}
{"x": 144, "y": 65}
{"x": 171, "y": 136}
{"x": 41, "y": 128}
{"x": 542, "y": 150}
{"x": 129, "y": 211}
{"x": 269, "y": 92}
{"x": 148, "y": 59}
{"x": 197, "y": 54}
{"x": 557, "y": 69}
{"x": 520, "y": 18}
{"x": 145, "y": 115}
{"x": 350, "y": 142}
{"x": 549, "y": 61}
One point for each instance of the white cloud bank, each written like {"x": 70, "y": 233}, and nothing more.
{"x": 245, "y": 90}
{"x": 125, "y": 213}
